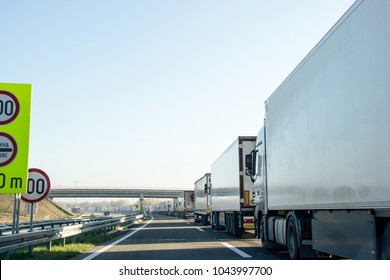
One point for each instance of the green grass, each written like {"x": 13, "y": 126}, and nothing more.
{"x": 59, "y": 252}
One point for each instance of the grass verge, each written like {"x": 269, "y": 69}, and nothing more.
{"x": 59, "y": 252}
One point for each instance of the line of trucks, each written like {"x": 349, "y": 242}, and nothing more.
{"x": 316, "y": 178}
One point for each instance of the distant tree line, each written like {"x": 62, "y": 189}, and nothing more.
{"x": 104, "y": 205}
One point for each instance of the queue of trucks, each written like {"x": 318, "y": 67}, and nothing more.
{"x": 316, "y": 178}
{"x": 182, "y": 207}
{"x": 322, "y": 158}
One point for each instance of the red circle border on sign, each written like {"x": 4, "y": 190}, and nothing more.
{"x": 13, "y": 97}
{"x": 48, "y": 186}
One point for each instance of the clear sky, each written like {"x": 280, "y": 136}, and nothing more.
{"x": 150, "y": 93}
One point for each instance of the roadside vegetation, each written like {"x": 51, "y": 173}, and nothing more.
{"x": 46, "y": 210}
{"x": 59, "y": 252}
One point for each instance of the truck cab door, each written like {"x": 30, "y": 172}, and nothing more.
{"x": 258, "y": 175}
{"x": 255, "y": 168}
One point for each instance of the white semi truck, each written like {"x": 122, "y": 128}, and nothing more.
{"x": 165, "y": 207}
{"x": 184, "y": 206}
{"x": 321, "y": 166}
{"x": 232, "y": 204}
{"x": 202, "y": 199}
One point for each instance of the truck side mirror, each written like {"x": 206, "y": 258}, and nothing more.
{"x": 249, "y": 165}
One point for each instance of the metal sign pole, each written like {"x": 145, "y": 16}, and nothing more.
{"x": 31, "y": 216}
{"x": 18, "y": 212}
{"x": 15, "y": 217}
{"x": 30, "y": 248}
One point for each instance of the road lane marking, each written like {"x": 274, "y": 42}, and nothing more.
{"x": 188, "y": 223}
{"x": 235, "y": 250}
{"x": 93, "y": 255}
{"x": 199, "y": 229}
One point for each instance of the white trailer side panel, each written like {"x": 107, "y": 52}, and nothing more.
{"x": 188, "y": 203}
{"x": 178, "y": 204}
{"x": 200, "y": 196}
{"x": 328, "y": 124}
{"x": 227, "y": 192}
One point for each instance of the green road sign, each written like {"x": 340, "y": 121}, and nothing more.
{"x": 15, "y": 108}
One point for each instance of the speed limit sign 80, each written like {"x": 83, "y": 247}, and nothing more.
{"x": 9, "y": 107}
{"x": 38, "y": 186}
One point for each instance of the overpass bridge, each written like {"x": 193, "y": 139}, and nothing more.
{"x": 106, "y": 192}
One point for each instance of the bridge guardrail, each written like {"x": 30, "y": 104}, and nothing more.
{"x": 13, "y": 242}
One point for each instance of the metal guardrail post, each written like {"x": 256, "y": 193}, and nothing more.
{"x": 30, "y": 250}
{"x": 48, "y": 246}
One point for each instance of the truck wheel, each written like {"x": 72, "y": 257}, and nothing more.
{"x": 236, "y": 230}
{"x": 216, "y": 220}
{"x": 204, "y": 220}
{"x": 386, "y": 243}
{"x": 228, "y": 224}
{"x": 292, "y": 239}
{"x": 260, "y": 231}
{"x": 231, "y": 224}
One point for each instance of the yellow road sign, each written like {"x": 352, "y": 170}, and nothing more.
{"x": 15, "y": 110}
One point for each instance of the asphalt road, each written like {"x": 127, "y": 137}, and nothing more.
{"x": 170, "y": 238}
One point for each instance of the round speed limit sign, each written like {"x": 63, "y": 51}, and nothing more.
{"x": 9, "y": 107}
{"x": 38, "y": 186}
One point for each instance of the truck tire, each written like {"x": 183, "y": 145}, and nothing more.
{"x": 260, "y": 230}
{"x": 204, "y": 220}
{"x": 236, "y": 230}
{"x": 216, "y": 220}
{"x": 293, "y": 239}
{"x": 385, "y": 248}
{"x": 228, "y": 224}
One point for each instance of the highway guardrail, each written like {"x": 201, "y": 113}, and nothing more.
{"x": 12, "y": 242}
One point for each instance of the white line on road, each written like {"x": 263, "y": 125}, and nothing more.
{"x": 91, "y": 256}
{"x": 199, "y": 229}
{"x": 235, "y": 250}
{"x": 188, "y": 223}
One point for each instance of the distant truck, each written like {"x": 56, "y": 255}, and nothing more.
{"x": 184, "y": 206}
{"x": 321, "y": 166}
{"x": 164, "y": 207}
{"x": 202, "y": 203}
{"x": 231, "y": 191}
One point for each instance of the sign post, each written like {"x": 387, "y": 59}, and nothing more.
{"x": 38, "y": 187}
{"x": 15, "y": 214}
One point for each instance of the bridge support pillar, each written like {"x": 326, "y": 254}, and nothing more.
{"x": 141, "y": 202}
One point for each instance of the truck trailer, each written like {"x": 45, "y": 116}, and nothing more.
{"x": 202, "y": 199}
{"x": 232, "y": 203}
{"x": 165, "y": 207}
{"x": 321, "y": 166}
{"x": 184, "y": 206}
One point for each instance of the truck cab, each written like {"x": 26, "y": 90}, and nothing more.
{"x": 255, "y": 168}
